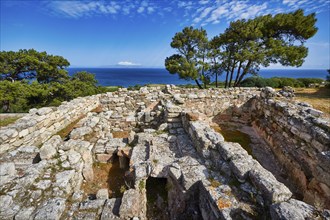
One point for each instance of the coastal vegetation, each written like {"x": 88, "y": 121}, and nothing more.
{"x": 242, "y": 49}
{"x": 31, "y": 79}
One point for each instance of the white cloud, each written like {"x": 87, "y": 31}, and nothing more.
{"x": 203, "y": 2}
{"x": 217, "y": 14}
{"x": 196, "y": 12}
{"x": 253, "y": 11}
{"x": 184, "y": 4}
{"x": 128, "y": 63}
{"x": 150, "y": 9}
{"x": 140, "y": 9}
{"x": 204, "y": 13}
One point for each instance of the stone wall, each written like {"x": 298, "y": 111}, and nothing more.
{"x": 235, "y": 162}
{"x": 126, "y": 110}
{"x": 211, "y": 102}
{"x": 300, "y": 140}
{"x": 40, "y": 124}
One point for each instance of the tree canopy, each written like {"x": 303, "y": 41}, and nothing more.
{"x": 30, "y": 63}
{"x": 243, "y": 48}
{"x": 191, "y": 45}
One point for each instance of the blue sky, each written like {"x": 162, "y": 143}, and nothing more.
{"x": 128, "y": 33}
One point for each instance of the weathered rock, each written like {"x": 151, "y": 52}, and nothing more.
{"x": 7, "y": 208}
{"x": 73, "y": 156}
{"x": 25, "y": 214}
{"x": 49, "y": 148}
{"x": 111, "y": 209}
{"x": 102, "y": 194}
{"x": 178, "y": 99}
{"x": 44, "y": 111}
{"x": 7, "y": 172}
{"x": 133, "y": 205}
{"x": 272, "y": 190}
{"x": 268, "y": 92}
{"x": 293, "y": 209}
{"x": 52, "y": 210}
{"x": 171, "y": 108}
{"x": 80, "y": 132}
{"x": 62, "y": 180}
{"x": 92, "y": 204}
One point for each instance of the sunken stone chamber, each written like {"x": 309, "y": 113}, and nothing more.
{"x": 154, "y": 154}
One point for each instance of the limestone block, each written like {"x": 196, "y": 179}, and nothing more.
{"x": 272, "y": 190}
{"x": 133, "y": 205}
{"x": 25, "y": 214}
{"x": 178, "y": 99}
{"x": 49, "y": 148}
{"x": 7, "y": 172}
{"x": 80, "y": 132}
{"x": 7, "y": 169}
{"x": 230, "y": 150}
{"x": 91, "y": 204}
{"x": 294, "y": 209}
{"x": 314, "y": 112}
{"x": 111, "y": 209}
{"x": 173, "y": 108}
{"x": 87, "y": 171}
{"x": 214, "y": 137}
{"x": 53, "y": 209}
{"x": 44, "y": 111}
{"x": 192, "y": 96}
{"x": 23, "y": 133}
{"x": 7, "y": 133}
{"x": 102, "y": 194}
{"x": 7, "y": 208}
{"x": 241, "y": 166}
{"x": 73, "y": 156}
{"x": 25, "y": 156}
{"x": 147, "y": 116}
{"x": 62, "y": 180}
{"x": 130, "y": 117}
{"x": 43, "y": 184}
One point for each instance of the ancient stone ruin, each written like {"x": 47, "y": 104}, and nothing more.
{"x": 165, "y": 153}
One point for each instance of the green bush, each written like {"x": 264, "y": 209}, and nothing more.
{"x": 254, "y": 82}
{"x": 279, "y": 82}
{"x": 308, "y": 81}
{"x": 20, "y": 96}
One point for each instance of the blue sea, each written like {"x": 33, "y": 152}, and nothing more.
{"x": 140, "y": 76}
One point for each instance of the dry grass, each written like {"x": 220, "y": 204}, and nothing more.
{"x": 101, "y": 175}
{"x": 319, "y": 98}
{"x": 98, "y": 109}
{"x": 214, "y": 183}
{"x": 66, "y": 131}
{"x": 120, "y": 134}
{"x": 7, "y": 121}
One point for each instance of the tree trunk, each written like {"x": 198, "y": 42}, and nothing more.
{"x": 226, "y": 84}
{"x": 232, "y": 73}
{"x": 216, "y": 79}
{"x": 238, "y": 73}
{"x": 199, "y": 85}
{"x": 245, "y": 71}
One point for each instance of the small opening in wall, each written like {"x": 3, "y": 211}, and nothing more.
{"x": 157, "y": 198}
{"x": 36, "y": 159}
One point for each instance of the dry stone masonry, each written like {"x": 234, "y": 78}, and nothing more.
{"x": 174, "y": 164}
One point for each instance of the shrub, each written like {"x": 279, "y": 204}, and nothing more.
{"x": 20, "y": 96}
{"x": 308, "y": 81}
